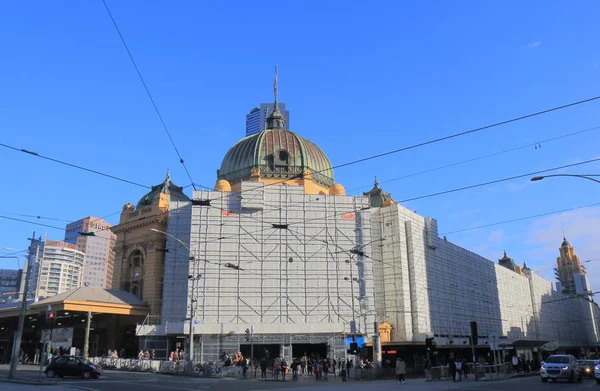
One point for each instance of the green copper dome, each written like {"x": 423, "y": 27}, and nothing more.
{"x": 167, "y": 187}
{"x": 277, "y": 154}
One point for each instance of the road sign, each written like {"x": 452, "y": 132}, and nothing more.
{"x": 352, "y": 327}
{"x": 493, "y": 340}
{"x": 46, "y": 335}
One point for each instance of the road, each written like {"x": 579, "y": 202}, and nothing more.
{"x": 131, "y": 381}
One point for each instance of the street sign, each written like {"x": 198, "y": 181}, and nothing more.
{"x": 46, "y": 335}
{"x": 493, "y": 340}
{"x": 352, "y": 327}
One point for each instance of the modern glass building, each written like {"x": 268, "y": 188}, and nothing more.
{"x": 256, "y": 119}
{"x": 10, "y": 281}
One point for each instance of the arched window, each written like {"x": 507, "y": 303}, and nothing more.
{"x": 136, "y": 259}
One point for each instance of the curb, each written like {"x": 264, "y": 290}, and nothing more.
{"x": 29, "y": 382}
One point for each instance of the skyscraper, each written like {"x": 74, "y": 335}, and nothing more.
{"x": 256, "y": 119}
{"x": 99, "y": 249}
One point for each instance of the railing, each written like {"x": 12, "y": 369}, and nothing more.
{"x": 174, "y": 367}
{"x": 480, "y": 372}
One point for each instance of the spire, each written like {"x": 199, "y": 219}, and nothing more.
{"x": 167, "y": 182}
{"x": 505, "y": 254}
{"x": 376, "y": 183}
{"x": 276, "y": 120}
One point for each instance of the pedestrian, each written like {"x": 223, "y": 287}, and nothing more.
{"x": 427, "y": 366}
{"x": 400, "y": 370}
{"x": 263, "y": 368}
{"x": 458, "y": 366}
{"x": 452, "y": 369}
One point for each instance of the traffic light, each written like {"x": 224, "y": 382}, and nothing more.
{"x": 354, "y": 349}
{"x": 429, "y": 344}
{"x": 51, "y": 315}
{"x": 247, "y": 334}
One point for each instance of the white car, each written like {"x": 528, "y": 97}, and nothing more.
{"x": 560, "y": 366}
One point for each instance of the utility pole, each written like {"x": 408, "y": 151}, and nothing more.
{"x": 252, "y": 349}
{"x": 86, "y": 343}
{"x": 19, "y": 334}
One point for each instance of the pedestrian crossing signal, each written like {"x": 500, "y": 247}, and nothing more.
{"x": 428, "y": 344}
{"x": 354, "y": 349}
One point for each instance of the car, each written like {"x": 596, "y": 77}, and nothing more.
{"x": 72, "y": 366}
{"x": 588, "y": 367}
{"x": 597, "y": 372}
{"x": 560, "y": 366}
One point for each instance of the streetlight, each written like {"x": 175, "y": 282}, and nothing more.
{"x": 588, "y": 177}
{"x": 191, "y": 278}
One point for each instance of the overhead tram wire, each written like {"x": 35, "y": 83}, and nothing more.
{"x": 160, "y": 117}
{"x": 481, "y": 157}
{"x": 433, "y": 141}
{"x": 498, "y": 181}
{"x": 35, "y": 216}
{"x": 73, "y": 165}
{"x": 356, "y": 210}
{"x": 31, "y": 222}
{"x": 520, "y": 219}
{"x": 460, "y": 188}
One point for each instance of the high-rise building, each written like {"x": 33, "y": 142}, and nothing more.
{"x": 99, "y": 249}
{"x": 256, "y": 119}
{"x": 61, "y": 269}
{"x": 10, "y": 281}
{"x": 570, "y": 273}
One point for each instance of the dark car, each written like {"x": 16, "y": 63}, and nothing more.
{"x": 72, "y": 366}
{"x": 588, "y": 367}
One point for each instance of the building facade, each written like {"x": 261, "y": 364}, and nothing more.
{"x": 139, "y": 251}
{"x": 99, "y": 249}
{"x": 429, "y": 287}
{"x": 61, "y": 269}
{"x": 280, "y": 249}
{"x": 570, "y": 274}
{"x": 10, "y": 283}
{"x": 256, "y": 119}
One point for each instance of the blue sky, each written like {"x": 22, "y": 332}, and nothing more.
{"x": 358, "y": 80}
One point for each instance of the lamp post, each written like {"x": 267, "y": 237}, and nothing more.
{"x": 588, "y": 177}
{"x": 191, "y": 278}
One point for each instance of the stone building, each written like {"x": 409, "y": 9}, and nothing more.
{"x": 140, "y": 252}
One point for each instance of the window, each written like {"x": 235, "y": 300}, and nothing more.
{"x": 136, "y": 259}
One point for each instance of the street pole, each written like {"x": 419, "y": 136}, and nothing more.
{"x": 192, "y": 314}
{"x": 19, "y": 334}
{"x": 86, "y": 343}
{"x": 252, "y": 349}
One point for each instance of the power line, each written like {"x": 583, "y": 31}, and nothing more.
{"x": 536, "y": 144}
{"x": 72, "y": 165}
{"x": 34, "y": 216}
{"x": 520, "y": 219}
{"x": 498, "y": 181}
{"x": 455, "y": 135}
{"x": 160, "y": 117}
{"x": 31, "y": 222}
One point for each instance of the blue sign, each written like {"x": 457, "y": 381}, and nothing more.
{"x": 359, "y": 340}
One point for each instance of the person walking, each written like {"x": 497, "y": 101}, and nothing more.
{"x": 427, "y": 366}
{"x": 400, "y": 370}
{"x": 452, "y": 369}
{"x": 263, "y": 368}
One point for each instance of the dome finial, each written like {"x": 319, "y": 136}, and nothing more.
{"x": 276, "y": 120}
{"x": 167, "y": 182}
